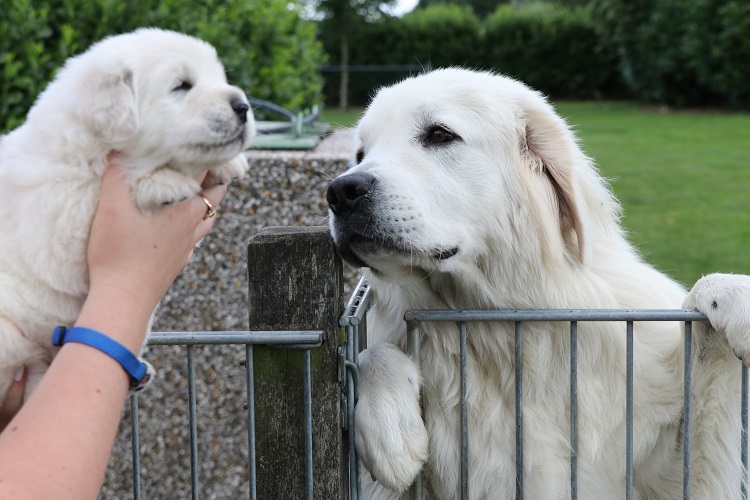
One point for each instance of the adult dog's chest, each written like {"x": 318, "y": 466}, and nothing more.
{"x": 491, "y": 402}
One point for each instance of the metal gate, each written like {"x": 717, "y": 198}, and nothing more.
{"x": 354, "y": 320}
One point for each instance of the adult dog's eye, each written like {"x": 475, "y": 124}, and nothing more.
{"x": 184, "y": 86}
{"x": 360, "y": 156}
{"x": 438, "y": 135}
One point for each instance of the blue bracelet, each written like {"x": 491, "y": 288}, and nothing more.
{"x": 140, "y": 371}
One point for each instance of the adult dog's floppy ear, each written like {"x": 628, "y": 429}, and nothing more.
{"x": 111, "y": 107}
{"x": 551, "y": 151}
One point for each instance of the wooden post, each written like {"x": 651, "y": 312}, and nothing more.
{"x": 296, "y": 283}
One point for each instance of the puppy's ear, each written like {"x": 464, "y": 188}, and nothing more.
{"x": 110, "y": 106}
{"x": 551, "y": 152}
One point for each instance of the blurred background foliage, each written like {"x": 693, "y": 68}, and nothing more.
{"x": 677, "y": 53}
{"x": 268, "y": 48}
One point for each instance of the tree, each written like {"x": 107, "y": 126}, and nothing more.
{"x": 344, "y": 16}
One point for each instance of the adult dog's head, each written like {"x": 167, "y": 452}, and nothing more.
{"x": 159, "y": 97}
{"x": 465, "y": 172}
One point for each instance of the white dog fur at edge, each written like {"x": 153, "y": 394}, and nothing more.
{"x": 161, "y": 101}
{"x": 469, "y": 191}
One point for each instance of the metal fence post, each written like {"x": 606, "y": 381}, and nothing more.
{"x": 295, "y": 282}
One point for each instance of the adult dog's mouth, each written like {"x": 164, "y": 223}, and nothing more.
{"x": 361, "y": 250}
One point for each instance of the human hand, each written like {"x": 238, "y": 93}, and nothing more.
{"x": 141, "y": 255}
{"x": 13, "y": 398}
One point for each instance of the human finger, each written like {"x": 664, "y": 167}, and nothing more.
{"x": 13, "y": 398}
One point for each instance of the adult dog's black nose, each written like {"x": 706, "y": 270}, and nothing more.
{"x": 240, "y": 108}
{"x": 346, "y": 193}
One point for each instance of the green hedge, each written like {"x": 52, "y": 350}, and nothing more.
{"x": 682, "y": 52}
{"x": 442, "y": 35}
{"x": 553, "y": 48}
{"x": 717, "y": 43}
{"x": 439, "y": 35}
{"x": 266, "y": 47}
{"x": 675, "y": 52}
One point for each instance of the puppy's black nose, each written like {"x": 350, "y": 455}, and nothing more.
{"x": 240, "y": 108}
{"x": 346, "y": 193}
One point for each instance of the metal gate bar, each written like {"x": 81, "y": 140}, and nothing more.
{"x": 193, "y": 422}
{"x": 574, "y": 410}
{"x": 414, "y": 347}
{"x": 629, "y": 412}
{"x": 519, "y": 411}
{"x": 250, "y": 419}
{"x": 304, "y": 339}
{"x": 464, "y": 415}
{"x": 688, "y": 390}
{"x": 352, "y": 318}
{"x": 135, "y": 438}
{"x": 308, "y": 425}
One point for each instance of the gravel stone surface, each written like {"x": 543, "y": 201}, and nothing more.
{"x": 283, "y": 189}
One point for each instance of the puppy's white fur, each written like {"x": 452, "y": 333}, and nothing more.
{"x": 510, "y": 213}
{"x": 161, "y": 101}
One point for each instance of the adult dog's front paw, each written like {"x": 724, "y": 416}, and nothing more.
{"x": 725, "y": 300}
{"x": 391, "y": 437}
{"x": 226, "y": 173}
{"x": 162, "y": 187}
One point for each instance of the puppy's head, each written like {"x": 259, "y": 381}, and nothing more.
{"x": 158, "y": 97}
{"x": 461, "y": 171}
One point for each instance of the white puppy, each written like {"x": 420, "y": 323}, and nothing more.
{"x": 469, "y": 191}
{"x": 161, "y": 101}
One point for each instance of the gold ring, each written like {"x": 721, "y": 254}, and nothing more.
{"x": 211, "y": 210}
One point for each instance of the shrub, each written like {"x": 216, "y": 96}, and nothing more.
{"x": 266, "y": 47}
{"x": 442, "y": 35}
{"x": 439, "y": 35}
{"x": 717, "y": 43}
{"x": 681, "y": 53}
{"x": 553, "y": 48}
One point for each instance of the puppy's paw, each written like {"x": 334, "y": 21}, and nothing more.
{"x": 391, "y": 437}
{"x": 725, "y": 300}
{"x": 162, "y": 187}
{"x": 226, "y": 173}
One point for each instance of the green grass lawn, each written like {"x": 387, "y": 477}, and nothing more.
{"x": 683, "y": 179}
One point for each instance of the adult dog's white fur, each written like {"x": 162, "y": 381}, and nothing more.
{"x": 469, "y": 191}
{"x": 161, "y": 101}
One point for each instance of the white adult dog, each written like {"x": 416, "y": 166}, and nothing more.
{"x": 469, "y": 191}
{"x": 161, "y": 101}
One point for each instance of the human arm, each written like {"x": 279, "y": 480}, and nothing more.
{"x": 59, "y": 443}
